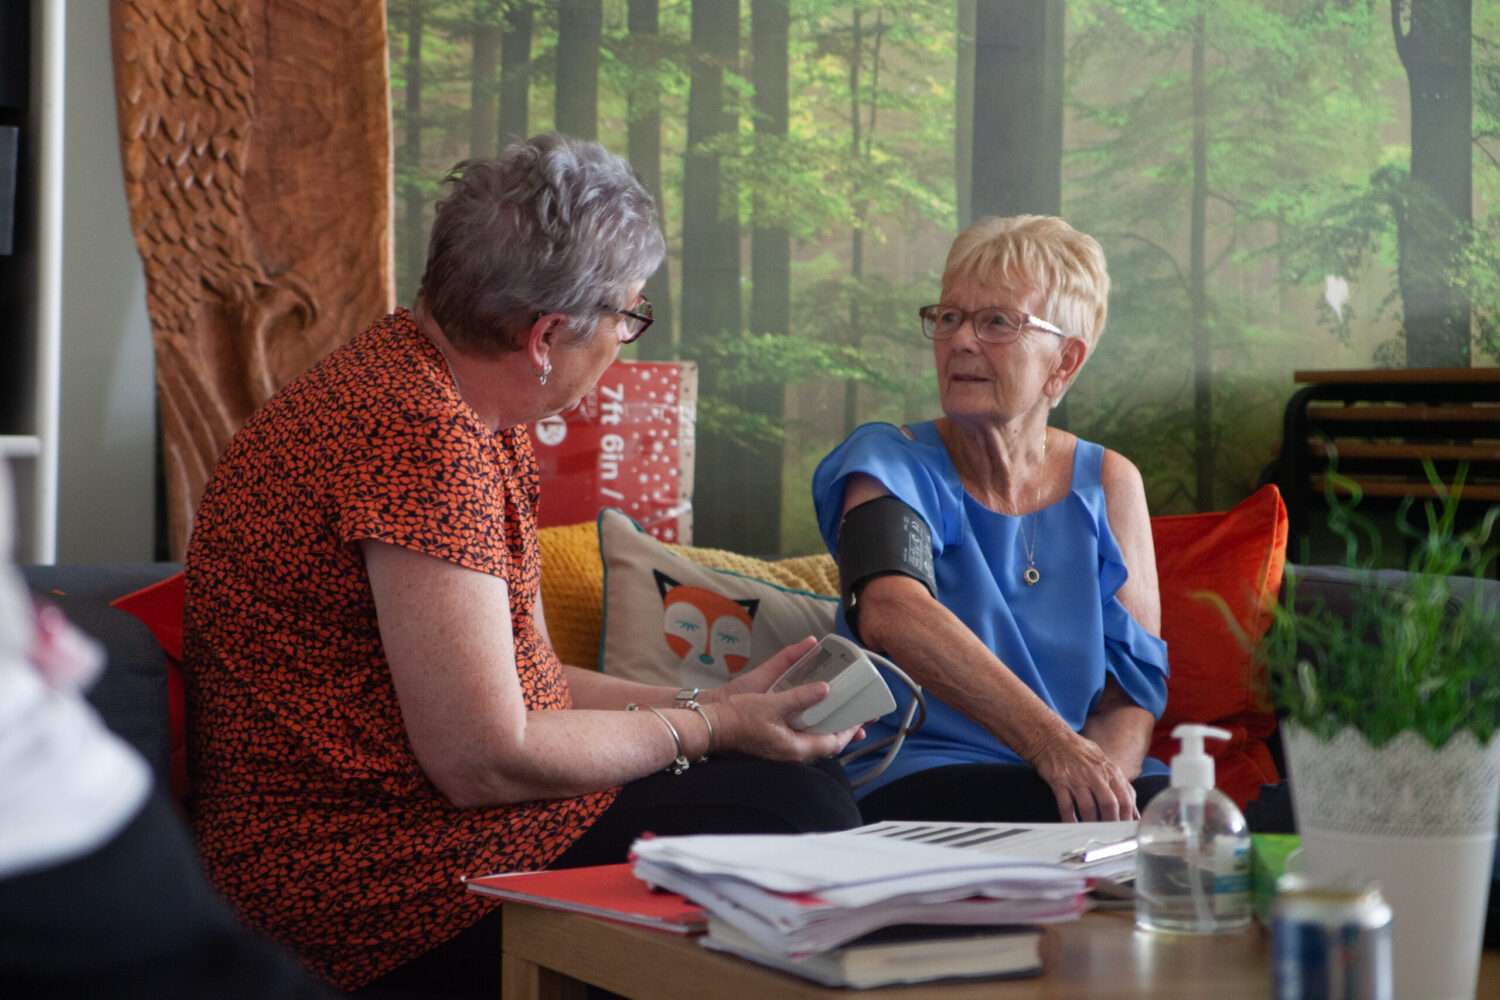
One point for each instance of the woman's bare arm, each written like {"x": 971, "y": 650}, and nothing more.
{"x": 898, "y": 616}
{"x": 1117, "y": 724}
{"x": 447, "y": 636}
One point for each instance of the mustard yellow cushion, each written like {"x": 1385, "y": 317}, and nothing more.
{"x": 573, "y": 591}
{"x": 814, "y": 574}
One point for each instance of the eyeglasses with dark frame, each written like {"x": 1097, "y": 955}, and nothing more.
{"x": 637, "y": 317}
{"x": 993, "y": 324}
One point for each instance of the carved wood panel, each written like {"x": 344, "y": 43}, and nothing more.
{"x": 255, "y": 136}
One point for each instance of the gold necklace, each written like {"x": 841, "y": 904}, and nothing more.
{"x": 452, "y": 372}
{"x": 442, "y": 353}
{"x": 1031, "y": 576}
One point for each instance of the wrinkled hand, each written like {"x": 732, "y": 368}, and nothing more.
{"x": 761, "y": 725}
{"x": 750, "y": 721}
{"x": 758, "y": 680}
{"x": 1084, "y": 778}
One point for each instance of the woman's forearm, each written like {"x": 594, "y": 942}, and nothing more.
{"x": 944, "y": 656}
{"x": 554, "y": 753}
{"x": 566, "y": 753}
{"x": 901, "y": 619}
{"x": 593, "y": 689}
{"x": 1123, "y": 731}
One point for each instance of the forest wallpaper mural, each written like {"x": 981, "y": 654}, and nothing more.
{"x": 1278, "y": 185}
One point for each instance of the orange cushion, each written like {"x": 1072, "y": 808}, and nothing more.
{"x": 1237, "y": 554}
{"x": 159, "y": 606}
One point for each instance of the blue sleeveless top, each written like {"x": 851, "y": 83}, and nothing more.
{"x": 1062, "y": 637}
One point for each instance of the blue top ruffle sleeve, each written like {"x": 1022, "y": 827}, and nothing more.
{"x": 1063, "y": 637}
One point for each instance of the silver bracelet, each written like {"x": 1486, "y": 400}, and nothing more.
{"x": 681, "y": 762}
{"x": 690, "y": 703}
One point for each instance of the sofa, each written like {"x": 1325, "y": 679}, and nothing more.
{"x": 606, "y": 585}
{"x": 133, "y": 694}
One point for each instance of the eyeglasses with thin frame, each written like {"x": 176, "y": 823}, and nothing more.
{"x": 993, "y": 324}
{"x": 637, "y": 317}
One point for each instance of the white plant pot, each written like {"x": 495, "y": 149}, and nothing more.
{"x": 1418, "y": 821}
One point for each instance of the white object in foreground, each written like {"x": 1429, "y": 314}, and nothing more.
{"x": 1418, "y": 821}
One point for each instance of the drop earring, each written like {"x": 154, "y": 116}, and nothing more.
{"x": 546, "y": 370}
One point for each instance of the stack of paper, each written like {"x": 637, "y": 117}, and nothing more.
{"x": 806, "y": 894}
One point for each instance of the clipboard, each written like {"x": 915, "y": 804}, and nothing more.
{"x": 1096, "y": 851}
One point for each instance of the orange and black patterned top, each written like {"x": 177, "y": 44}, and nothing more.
{"x": 312, "y": 813}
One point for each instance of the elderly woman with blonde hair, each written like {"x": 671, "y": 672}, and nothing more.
{"x": 1006, "y": 565}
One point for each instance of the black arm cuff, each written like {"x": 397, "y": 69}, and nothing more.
{"x": 877, "y": 538}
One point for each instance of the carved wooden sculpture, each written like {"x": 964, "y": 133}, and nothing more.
{"x": 256, "y": 143}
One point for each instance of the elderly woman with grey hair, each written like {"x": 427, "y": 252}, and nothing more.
{"x": 374, "y": 707}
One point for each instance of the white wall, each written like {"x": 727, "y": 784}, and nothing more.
{"x": 108, "y": 384}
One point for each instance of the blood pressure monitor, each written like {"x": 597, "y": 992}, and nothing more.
{"x": 856, "y": 691}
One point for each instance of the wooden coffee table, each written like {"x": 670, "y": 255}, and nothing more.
{"x": 548, "y": 954}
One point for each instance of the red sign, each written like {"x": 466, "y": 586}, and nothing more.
{"x": 629, "y": 445}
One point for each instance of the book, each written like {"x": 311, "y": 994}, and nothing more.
{"x": 610, "y": 892}
{"x": 902, "y": 953}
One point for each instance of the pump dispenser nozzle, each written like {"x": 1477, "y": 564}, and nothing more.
{"x": 1192, "y": 768}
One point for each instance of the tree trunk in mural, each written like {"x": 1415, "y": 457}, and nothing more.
{"x": 262, "y": 216}
{"x": 1434, "y": 210}
{"x": 484, "y": 88}
{"x": 515, "y": 73}
{"x": 580, "y": 24}
{"x": 1202, "y": 334}
{"x": 759, "y": 468}
{"x": 643, "y": 144}
{"x": 711, "y": 250}
{"x": 963, "y": 118}
{"x": 1016, "y": 115}
{"x": 856, "y": 231}
{"x": 1016, "y": 136}
{"x": 415, "y": 256}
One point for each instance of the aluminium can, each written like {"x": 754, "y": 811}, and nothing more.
{"x": 1330, "y": 941}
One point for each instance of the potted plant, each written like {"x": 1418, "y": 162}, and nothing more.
{"x": 1390, "y": 708}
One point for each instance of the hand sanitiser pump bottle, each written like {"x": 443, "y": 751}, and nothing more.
{"x": 1193, "y": 851}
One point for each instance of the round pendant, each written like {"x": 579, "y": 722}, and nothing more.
{"x": 1031, "y": 576}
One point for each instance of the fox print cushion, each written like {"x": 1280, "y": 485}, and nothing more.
{"x": 675, "y": 621}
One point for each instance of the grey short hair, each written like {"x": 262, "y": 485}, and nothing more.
{"x": 552, "y": 224}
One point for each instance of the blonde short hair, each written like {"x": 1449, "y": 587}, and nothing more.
{"x": 1037, "y": 254}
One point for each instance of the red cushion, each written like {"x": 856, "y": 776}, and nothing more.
{"x": 1239, "y": 555}
{"x": 159, "y": 606}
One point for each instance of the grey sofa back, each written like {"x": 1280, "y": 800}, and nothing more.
{"x": 1336, "y": 587}
{"x": 131, "y": 694}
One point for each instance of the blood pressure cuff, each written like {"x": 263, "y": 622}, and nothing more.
{"x": 878, "y": 538}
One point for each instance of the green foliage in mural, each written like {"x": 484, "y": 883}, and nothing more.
{"x": 1301, "y": 184}
{"x": 1246, "y": 164}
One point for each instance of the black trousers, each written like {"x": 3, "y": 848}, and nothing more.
{"x": 136, "y": 918}
{"x": 978, "y": 793}
{"x": 722, "y": 795}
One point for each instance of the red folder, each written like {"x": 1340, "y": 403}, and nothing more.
{"x": 607, "y": 891}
